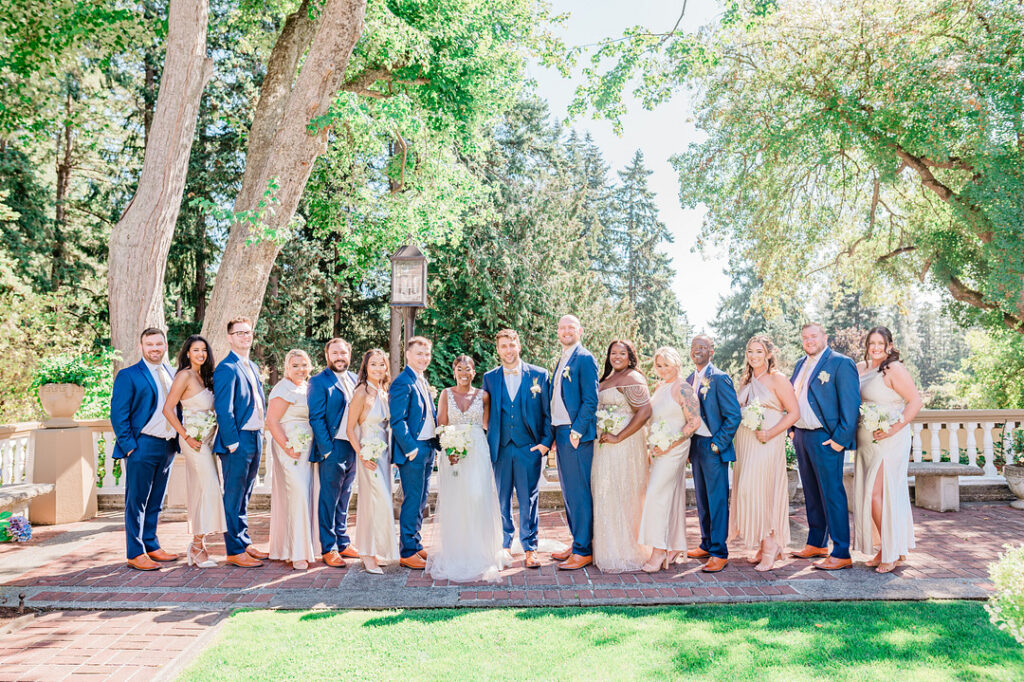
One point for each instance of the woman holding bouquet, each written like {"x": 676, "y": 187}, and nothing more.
{"x": 468, "y": 543}
{"x": 675, "y": 416}
{"x": 293, "y": 520}
{"x": 191, "y": 389}
{"x": 759, "y": 516}
{"x": 881, "y": 504}
{"x": 618, "y": 480}
{"x": 368, "y": 432}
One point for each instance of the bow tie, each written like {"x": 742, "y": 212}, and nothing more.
{"x": 511, "y": 372}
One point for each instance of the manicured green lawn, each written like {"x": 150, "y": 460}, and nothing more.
{"x": 881, "y": 641}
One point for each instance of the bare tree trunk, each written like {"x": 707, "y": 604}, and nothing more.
{"x": 281, "y": 149}
{"x": 140, "y": 241}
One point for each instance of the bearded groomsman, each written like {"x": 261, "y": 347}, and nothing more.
{"x": 574, "y": 418}
{"x": 147, "y": 444}
{"x": 241, "y": 407}
{"x": 828, "y": 392}
{"x": 328, "y": 396}
{"x": 519, "y": 434}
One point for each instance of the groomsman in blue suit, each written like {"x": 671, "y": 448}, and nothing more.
{"x": 413, "y": 443}
{"x": 328, "y": 396}
{"x": 147, "y": 444}
{"x": 711, "y": 451}
{"x": 241, "y": 407}
{"x": 573, "y": 416}
{"x": 519, "y": 434}
{"x": 828, "y": 392}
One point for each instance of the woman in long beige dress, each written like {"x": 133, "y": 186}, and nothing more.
{"x": 293, "y": 519}
{"x": 618, "y": 479}
{"x": 759, "y": 512}
{"x": 674, "y": 411}
{"x": 882, "y": 516}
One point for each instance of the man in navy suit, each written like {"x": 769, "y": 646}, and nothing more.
{"x": 413, "y": 443}
{"x": 519, "y": 434}
{"x": 147, "y": 443}
{"x": 711, "y": 450}
{"x": 828, "y": 391}
{"x": 328, "y": 396}
{"x": 574, "y": 418}
{"x": 241, "y": 407}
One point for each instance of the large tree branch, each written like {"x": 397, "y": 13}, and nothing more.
{"x": 361, "y": 83}
{"x": 961, "y": 292}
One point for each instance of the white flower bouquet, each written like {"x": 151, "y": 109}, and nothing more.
{"x": 455, "y": 441}
{"x": 611, "y": 420}
{"x": 661, "y": 435}
{"x": 199, "y": 424}
{"x": 874, "y": 417}
{"x": 752, "y": 416}
{"x": 371, "y": 449}
{"x": 299, "y": 438}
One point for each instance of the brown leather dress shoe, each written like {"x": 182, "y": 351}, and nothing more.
{"x": 256, "y": 553}
{"x": 422, "y": 554}
{"x": 161, "y": 555}
{"x": 575, "y": 562}
{"x": 810, "y": 552}
{"x": 333, "y": 558}
{"x": 715, "y": 564}
{"x": 562, "y": 556}
{"x": 697, "y": 553}
{"x": 349, "y": 553}
{"x": 833, "y": 564}
{"x": 243, "y": 560}
{"x": 143, "y": 563}
{"x": 531, "y": 560}
{"x": 414, "y": 562}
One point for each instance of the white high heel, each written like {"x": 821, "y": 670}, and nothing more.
{"x": 376, "y": 570}
{"x": 191, "y": 556}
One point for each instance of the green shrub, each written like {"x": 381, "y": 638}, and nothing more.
{"x": 1006, "y": 607}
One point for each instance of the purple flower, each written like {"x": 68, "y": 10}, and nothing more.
{"x": 19, "y": 529}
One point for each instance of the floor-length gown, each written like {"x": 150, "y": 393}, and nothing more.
{"x": 892, "y": 455}
{"x": 760, "y": 487}
{"x": 375, "y": 513}
{"x": 618, "y": 483}
{"x": 293, "y": 520}
{"x": 205, "y": 499}
{"x": 468, "y": 545}
{"x": 664, "y": 520}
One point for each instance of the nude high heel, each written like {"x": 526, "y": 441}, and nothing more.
{"x": 372, "y": 570}
{"x": 193, "y": 554}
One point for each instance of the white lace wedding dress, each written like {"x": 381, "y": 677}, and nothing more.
{"x": 467, "y": 546}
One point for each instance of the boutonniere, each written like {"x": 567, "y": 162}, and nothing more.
{"x": 705, "y": 384}
{"x": 535, "y": 389}
{"x": 565, "y": 374}
{"x": 823, "y": 376}
{"x": 433, "y": 392}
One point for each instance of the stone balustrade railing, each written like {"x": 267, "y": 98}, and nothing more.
{"x": 945, "y": 435}
{"x": 17, "y": 450}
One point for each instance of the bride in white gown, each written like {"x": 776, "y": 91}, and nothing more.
{"x": 467, "y": 546}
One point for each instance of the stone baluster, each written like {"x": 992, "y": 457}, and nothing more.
{"x": 972, "y": 444}
{"x": 988, "y": 449}
{"x": 917, "y": 428}
{"x": 954, "y": 442}
{"x": 935, "y": 447}
{"x": 1008, "y": 428}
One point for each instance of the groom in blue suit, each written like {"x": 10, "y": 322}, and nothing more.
{"x": 147, "y": 444}
{"x": 828, "y": 392}
{"x": 574, "y": 418}
{"x": 711, "y": 450}
{"x": 328, "y": 396}
{"x": 241, "y": 407}
{"x": 413, "y": 443}
{"x": 519, "y": 434}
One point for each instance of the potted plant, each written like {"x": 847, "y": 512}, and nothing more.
{"x": 62, "y": 380}
{"x": 1013, "y": 470}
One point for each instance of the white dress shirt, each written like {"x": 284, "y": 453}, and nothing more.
{"x": 559, "y": 413}
{"x": 808, "y": 420}
{"x": 255, "y": 422}
{"x": 695, "y": 385}
{"x": 157, "y": 426}
{"x": 513, "y": 380}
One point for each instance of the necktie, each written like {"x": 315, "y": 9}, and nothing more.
{"x": 254, "y": 382}
{"x": 164, "y": 381}
{"x": 801, "y": 379}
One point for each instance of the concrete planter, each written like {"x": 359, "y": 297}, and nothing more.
{"x": 1015, "y": 479}
{"x": 60, "y": 402}
{"x": 794, "y": 481}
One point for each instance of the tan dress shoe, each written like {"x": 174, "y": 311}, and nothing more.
{"x": 562, "y": 556}
{"x": 575, "y": 562}
{"x": 422, "y": 554}
{"x": 143, "y": 563}
{"x": 333, "y": 558}
{"x": 161, "y": 555}
{"x": 349, "y": 553}
{"x": 256, "y": 553}
{"x": 531, "y": 560}
{"x": 697, "y": 553}
{"x": 413, "y": 562}
{"x": 243, "y": 560}
{"x": 715, "y": 564}
{"x": 810, "y": 552}
{"x": 833, "y": 564}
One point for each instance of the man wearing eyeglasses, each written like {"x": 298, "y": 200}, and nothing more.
{"x": 240, "y": 404}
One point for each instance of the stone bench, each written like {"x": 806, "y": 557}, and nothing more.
{"x": 16, "y": 496}
{"x": 936, "y": 484}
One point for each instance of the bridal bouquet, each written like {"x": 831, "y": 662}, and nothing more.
{"x": 610, "y": 420}
{"x": 661, "y": 435}
{"x": 299, "y": 438}
{"x": 874, "y": 417}
{"x": 753, "y": 415}
{"x": 370, "y": 450}
{"x": 455, "y": 441}
{"x": 199, "y": 424}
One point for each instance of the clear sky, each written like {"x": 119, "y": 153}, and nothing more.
{"x": 700, "y": 278}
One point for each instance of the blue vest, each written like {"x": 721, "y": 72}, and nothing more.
{"x": 512, "y": 430}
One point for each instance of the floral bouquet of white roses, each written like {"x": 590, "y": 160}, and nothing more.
{"x": 874, "y": 417}
{"x": 454, "y": 441}
{"x": 370, "y": 450}
{"x": 752, "y": 416}
{"x": 199, "y": 424}
{"x": 661, "y": 435}
{"x": 299, "y": 438}
{"x": 610, "y": 420}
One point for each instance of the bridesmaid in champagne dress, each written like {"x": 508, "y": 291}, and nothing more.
{"x": 676, "y": 411}
{"x": 368, "y": 425}
{"x": 618, "y": 479}
{"x": 293, "y": 519}
{"x": 759, "y": 515}
{"x": 882, "y": 517}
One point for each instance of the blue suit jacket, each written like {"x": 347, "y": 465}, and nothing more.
{"x": 233, "y": 400}
{"x": 408, "y": 412}
{"x": 534, "y": 406}
{"x": 720, "y": 409}
{"x": 835, "y": 401}
{"x": 579, "y": 392}
{"x": 327, "y": 405}
{"x": 132, "y": 403}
